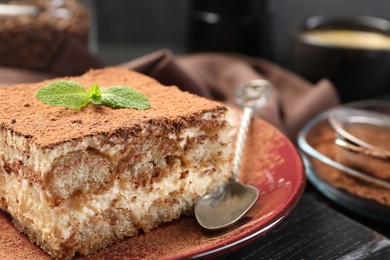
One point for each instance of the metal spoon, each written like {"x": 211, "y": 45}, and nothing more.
{"x": 340, "y": 118}
{"x": 225, "y": 206}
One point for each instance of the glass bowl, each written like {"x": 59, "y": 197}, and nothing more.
{"x": 351, "y": 188}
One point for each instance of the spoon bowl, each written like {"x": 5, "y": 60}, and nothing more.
{"x": 225, "y": 206}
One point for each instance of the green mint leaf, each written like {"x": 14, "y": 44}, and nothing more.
{"x": 73, "y": 95}
{"x": 95, "y": 95}
{"x": 124, "y": 97}
{"x": 64, "y": 93}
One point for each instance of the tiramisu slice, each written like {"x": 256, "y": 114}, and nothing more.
{"x": 77, "y": 180}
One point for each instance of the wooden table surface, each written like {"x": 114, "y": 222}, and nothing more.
{"x": 318, "y": 229}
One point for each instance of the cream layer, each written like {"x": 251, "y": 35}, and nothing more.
{"x": 28, "y": 203}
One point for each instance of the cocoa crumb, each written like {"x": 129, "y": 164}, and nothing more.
{"x": 184, "y": 175}
{"x": 13, "y": 121}
{"x": 7, "y": 168}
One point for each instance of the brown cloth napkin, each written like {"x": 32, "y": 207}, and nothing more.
{"x": 213, "y": 75}
{"x": 216, "y": 75}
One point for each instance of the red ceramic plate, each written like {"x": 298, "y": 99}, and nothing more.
{"x": 271, "y": 163}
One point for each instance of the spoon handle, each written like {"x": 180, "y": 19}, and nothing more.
{"x": 249, "y": 95}
{"x": 241, "y": 138}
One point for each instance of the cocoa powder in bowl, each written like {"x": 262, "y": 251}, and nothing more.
{"x": 322, "y": 138}
{"x": 373, "y": 135}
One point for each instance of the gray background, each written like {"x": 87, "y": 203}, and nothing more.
{"x": 131, "y": 28}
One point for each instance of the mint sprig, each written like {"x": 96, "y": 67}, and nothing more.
{"x": 73, "y": 95}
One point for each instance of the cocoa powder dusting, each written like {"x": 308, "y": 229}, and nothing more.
{"x": 49, "y": 125}
{"x": 322, "y": 139}
{"x": 15, "y": 245}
